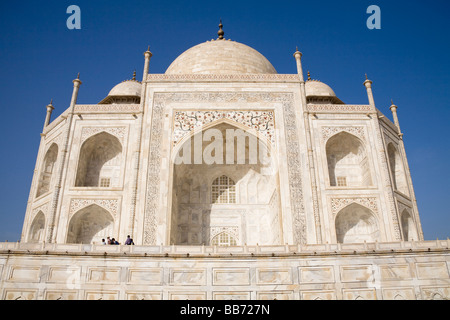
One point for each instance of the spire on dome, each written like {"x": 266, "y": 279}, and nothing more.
{"x": 220, "y": 32}
{"x": 134, "y": 75}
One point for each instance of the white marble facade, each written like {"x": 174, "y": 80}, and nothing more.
{"x": 333, "y": 173}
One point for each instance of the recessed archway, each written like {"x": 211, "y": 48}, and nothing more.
{"x": 100, "y": 161}
{"x": 348, "y": 164}
{"x": 36, "y": 233}
{"x": 408, "y": 226}
{"x": 356, "y": 224}
{"x": 397, "y": 170}
{"x": 90, "y": 225}
{"x": 47, "y": 170}
{"x": 223, "y": 182}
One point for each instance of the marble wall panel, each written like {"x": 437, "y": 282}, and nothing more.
{"x": 322, "y": 274}
{"x": 187, "y": 277}
{"x": 231, "y": 276}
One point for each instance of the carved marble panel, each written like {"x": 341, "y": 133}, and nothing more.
{"x": 111, "y": 205}
{"x": 101, "y": 295}
{"x": 118, "y": 132}
{"x": 359, "y": 294}
{"x": 61, "y": 295}
{"x": 275, "y": 295}
{"x": 24, "y": 273}
{"x": 150, "y": 276}
{"x": 339, "y": 203}
{"x": 187, "y": 277}
{"x": 323, "y": 274}
{"x": 435, "y": 292}
{"x": 395, "y": 272}
{"x": 231, "y": 295}
{"x": 233, "y": 276}
{"x": 398, "y": 293}
{"x": 363, "y": 273}
{"x": 318, "y": 295}
{"x": 175, "y": 295}
{"x": 137, "y": 295}
{"x": 358, "y": 131}
{"x": 20, "y": 294}
{"x": 432, "y": 270}
{"x": 103, "y": 275}
{"x": 262, "y": 122}
{"x": 273, "y": 276}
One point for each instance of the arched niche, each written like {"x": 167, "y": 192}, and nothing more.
{"x": 220, "y": 180}
{"x": 397, "y": 170}
{"x": 348, "y": 164}
{"x": 36, "y": 232}
{"x": 356, "y": 224}
{"x": 408, "y": 226}
{"x": 47, "y": 170}
{"x": 99, "y": 162}
{"x": 90, "y": 225}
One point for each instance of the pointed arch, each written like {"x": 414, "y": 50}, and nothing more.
{"x": 90, "y": 224}
{"x": 36, "y": 232}
{"x": 397, "y": 169}
{"x": 100, "y": 161}
{"x": 356, "y": 224}
{"x": 200, "y": 187}
{"x": 348, "y": 164}
{"x": 265, "y": 146}
{"x": 47, "y": 170}
{"x": 408, "y": 226}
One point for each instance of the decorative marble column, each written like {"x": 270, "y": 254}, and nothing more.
{"x": 311, "y": 160}
{"x": 50, "y": 108}
{"x": 50, "y": 234}
{"x": 381, "y": 148}
{"x": 137, "y": 154}
{"x": 393, "y": 108}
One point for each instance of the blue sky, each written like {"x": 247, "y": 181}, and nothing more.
{"x": 407, "y": 60}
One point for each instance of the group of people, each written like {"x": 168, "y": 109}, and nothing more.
{"x": 109, "y": 240}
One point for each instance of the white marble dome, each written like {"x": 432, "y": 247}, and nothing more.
{"x": 318, "y": 88}
{"x": 319, "y": 92}
{"x": 126, "y": 88}
{"x": 128, "y": 91}
{"x": 221, "y": 57}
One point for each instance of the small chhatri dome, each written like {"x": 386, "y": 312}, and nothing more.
{"x": 319, "y": 92}
{"x": 221, "y": 56}
{"x": 128, "y": 91}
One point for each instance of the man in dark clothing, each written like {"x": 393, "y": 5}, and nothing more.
{"x": 129, "y": 241}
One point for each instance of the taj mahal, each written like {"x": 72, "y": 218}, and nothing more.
{"x": 234, "y": 181}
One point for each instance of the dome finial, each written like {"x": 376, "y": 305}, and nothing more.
{"x": 220, "y": 32}
{"x": 309, "y": 76}
{"x": 134, "y": 75}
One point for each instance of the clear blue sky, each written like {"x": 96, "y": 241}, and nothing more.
{"x": 408, "y": 61}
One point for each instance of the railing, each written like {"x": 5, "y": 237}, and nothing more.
{"x": 313, "y": 249}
